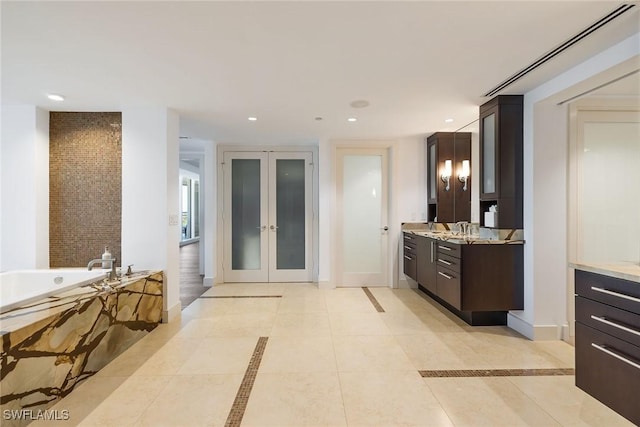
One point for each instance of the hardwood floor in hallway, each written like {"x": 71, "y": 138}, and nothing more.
{"x": 190, "y": 279}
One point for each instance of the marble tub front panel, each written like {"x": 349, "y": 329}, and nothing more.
{"x": 43, "y": 361}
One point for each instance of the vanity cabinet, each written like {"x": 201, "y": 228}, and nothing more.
{"x": 477, "y": 282}
{"x": 453, "y": 204}
{"x": 410, "y": 255}
{"x": 501, "y": 160}
{"x": 608, "y": 341}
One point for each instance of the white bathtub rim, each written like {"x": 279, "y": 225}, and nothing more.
{"x": 32, "y": 297}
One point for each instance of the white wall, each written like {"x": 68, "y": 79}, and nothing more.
{"x": 209, "y": 200}
{"x": 24, "y": 160}
{"x": 150, "y": 206}
{"x": 545, "y": 190}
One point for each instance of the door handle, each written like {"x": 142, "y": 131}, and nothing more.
{"x": 273, "y": 227}
{"x": 385, "y": 228}
{"x": 262, "y": 227}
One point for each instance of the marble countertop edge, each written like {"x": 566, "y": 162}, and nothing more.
{"x": 621, "y": 270}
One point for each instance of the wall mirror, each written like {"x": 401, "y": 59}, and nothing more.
{"x": 466, "y": 172}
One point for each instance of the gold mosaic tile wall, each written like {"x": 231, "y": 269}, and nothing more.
{"x": 85, "y": 187}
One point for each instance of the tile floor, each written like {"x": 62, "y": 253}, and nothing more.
{"x": 330, "y": 360}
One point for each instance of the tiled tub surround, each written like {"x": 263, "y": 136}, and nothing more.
{"x": 50, "y": 347}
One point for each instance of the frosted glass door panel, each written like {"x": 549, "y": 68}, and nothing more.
{"x": 290, "y": 213}
{"x": 362, "y": 208}
{"x": 609, "y": 177}
{"x": 489, "y": 154}
{"x": 245, "y": 214}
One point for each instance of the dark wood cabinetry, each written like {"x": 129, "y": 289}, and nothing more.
{"x": 501, "y": 161}
{"x": 478, "y": 282}
{"x": 410, "y": 255}
{"x": 453, "y": 204}
{"x": 608, "y": 341}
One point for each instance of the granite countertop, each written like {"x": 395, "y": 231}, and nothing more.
{"x": 466, "y": 239}
{"x": 621, "y": 270}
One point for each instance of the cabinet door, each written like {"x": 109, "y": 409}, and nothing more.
{"x": 489, "y": 154}
{"x": 426, "y": 264}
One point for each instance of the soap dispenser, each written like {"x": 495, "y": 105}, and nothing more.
{"x": 106, "y": 258}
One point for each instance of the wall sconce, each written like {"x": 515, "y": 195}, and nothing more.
{"x": 446, "y": 174}
{"x": 464, "y": 174}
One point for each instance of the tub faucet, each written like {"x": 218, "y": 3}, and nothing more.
{"x": 463, "y": 227}
{"x": 112, "y": 275}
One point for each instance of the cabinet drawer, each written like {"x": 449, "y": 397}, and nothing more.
{"x": 449, "y": 262}
{"x": 410, "y": 266}
{"x": 613, "y": 321}
{"x": 448, "y": 286}
{"x": 609, "y": 370}
{"x": 447, "y": 248}
{"x": 620, "y": 293}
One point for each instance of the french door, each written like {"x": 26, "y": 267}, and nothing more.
{"x": 267, "y": 217}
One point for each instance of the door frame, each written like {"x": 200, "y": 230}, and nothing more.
{"x": 393, "y": 252}
{"x": 219, "y": 244}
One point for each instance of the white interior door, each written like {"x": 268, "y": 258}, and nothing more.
{"x": 362, "y": 199}
{"x": 268, "y": 217}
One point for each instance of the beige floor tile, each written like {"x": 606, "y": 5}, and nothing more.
{"x": 350, "y": 300}
{"x": 301, "y": 290}
{"x": 300, "y": 399}
{"x": 83, "y": 400}
{"x": 209, "y": 307}
{"x": 124, "y": 406}
{"x": 560, "y": 350}
{"x": 192, "y": 400}
{"x": 487, "y": 402}
{"x": 254, "y": 305}
{"x": 219, "y": 355}
{"x": 435, "y": 351}
{"x": 343, "y": 323}
{"x": 301, "y": 324}
{"x": 390, "y": 399}
{"x": 300, "y": 303}
{"x": 371, "y": 353}
{"x": 169, "y": 358}
{"x": 131, "y": 360}
{"x": 405, "y": 323}
{"x": 242, "y": 325}
{"x": 565, "y": 402}
{"x": 298, "y": 354}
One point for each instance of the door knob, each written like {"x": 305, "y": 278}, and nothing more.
{"x": 273, "y": 227}
{"x": 385, "y": 228}
{"x": 262, "y": 227}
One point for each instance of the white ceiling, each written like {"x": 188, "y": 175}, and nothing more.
{"x": 217, "y": 63}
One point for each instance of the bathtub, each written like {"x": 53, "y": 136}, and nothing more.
{"x": 22, "y": 287}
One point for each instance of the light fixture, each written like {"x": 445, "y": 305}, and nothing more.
{"x": 446, "y": 174}
{"x": 352, "y": 119}
{"x": 464, "y": 174}
{"x": 55, "y": 97}
{"x": 448, "y": 120}
{"x": 252, "y": 119}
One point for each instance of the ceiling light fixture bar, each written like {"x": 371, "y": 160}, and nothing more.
{"x": 564, "y": 46}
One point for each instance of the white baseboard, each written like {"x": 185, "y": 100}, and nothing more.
{"x": 326, "y": 285}
{"x": 535, "y": 332}
{"x": 172, "y": 313}
{"x": 208, "y": 281}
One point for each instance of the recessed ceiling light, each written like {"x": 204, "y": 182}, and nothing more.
{"x": 252, "y": 119}
{"x": 360, "y": 103}
{"x": 448, "y": 120}
{"x": 352, "y": 119}
{"x": 55, "y": 97}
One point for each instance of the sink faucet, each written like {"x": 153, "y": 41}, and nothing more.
{"x": 463, "y": 227}
{"x": 112, "y": 275}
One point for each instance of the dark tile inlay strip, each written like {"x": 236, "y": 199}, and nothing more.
{"x": 497, "y": 373}
{"x": 242, "y": 397}
{"x": 240, "y": 296}
{"x": 373, "y": 300}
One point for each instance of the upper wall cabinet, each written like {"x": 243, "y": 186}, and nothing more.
{"x": 448, "y": 198}
{"x": 501, "y": 162}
